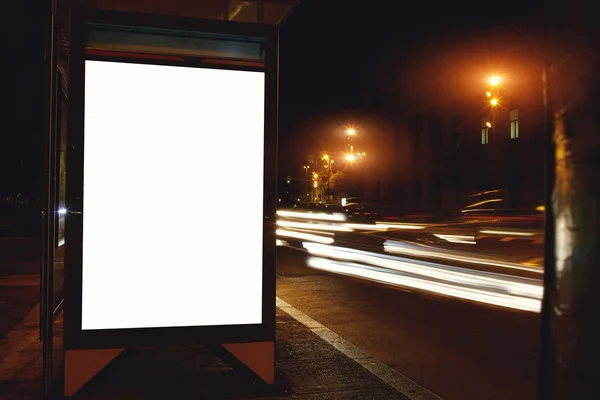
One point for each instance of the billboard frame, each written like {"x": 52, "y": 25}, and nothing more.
{"x": 74, "y": 337}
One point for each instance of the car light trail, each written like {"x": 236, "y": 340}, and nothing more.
{"x": 478, "y": 295}
{"x": 391, "y": 246}
{"x": 314, "y": 226}
{"x": 508, "y": 233}
{"x": 306, "y": 215}
{"x": 304, "y": 236}
{"x": 457, "y": 238}
{"x": 390, "y": 225}
{"x": 480, "y": 284}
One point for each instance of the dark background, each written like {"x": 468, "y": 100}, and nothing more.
{"x": 333, "y": 54}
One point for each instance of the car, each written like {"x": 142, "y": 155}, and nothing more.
{"x": 361, "y": 212}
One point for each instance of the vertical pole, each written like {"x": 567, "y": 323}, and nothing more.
{"x": 495, "y": 179}
{"x": 328, "y": 175}
{"x": 571, "y": 306}
{"x": 47, "y": 239}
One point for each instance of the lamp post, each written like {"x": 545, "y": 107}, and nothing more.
{"x": 306, "y": 167}
{"x": 493, "y": 95}
{"x": 328, "y": 161}
{"x": 314, "y": 190}
{"x": 350, "y": 132}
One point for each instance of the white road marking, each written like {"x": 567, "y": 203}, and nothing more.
{"x": 401, "y": 383}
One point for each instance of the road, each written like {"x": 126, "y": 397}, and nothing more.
{"x": 451, "y": 307}
{"x": 406, "y": 296}
{"x": 455, "y": 348}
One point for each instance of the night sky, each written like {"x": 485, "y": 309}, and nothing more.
{"x": 331, "y": 55}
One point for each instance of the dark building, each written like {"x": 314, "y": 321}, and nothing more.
{"x": 451, "y": 141}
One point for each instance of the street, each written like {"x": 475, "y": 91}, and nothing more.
{"x": 455, "y": 348}
{"x": 451, "y": 308}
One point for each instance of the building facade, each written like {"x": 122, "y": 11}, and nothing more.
{"x": 450, "y": 140}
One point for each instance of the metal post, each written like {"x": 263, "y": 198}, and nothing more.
{"x": 571, "y": 306}
{"x": 305, "y": 196}
{"x": 328, "y": 175}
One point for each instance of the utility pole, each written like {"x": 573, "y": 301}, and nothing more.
{"x": 306, "y": 167}
{"x": 570, "y": 348}
{"x": 328, "y": 176}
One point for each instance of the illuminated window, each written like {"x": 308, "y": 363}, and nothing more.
{"x": 485, "y": 131}
{"x": 514, "y": 124}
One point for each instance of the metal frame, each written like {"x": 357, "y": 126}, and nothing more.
{"x": 75, "y": 337}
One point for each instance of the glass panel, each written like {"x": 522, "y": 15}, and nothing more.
{"x": 62, "y": 149}
{"x": 183, "y": 43}
{"x": 57, "y": 355}
{"x": 60, "y": 182}
{"x": 514, "y": 115}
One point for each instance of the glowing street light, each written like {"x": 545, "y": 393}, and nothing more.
{"x": 350, "y": 157}
{"x": 488, "y": 94}
{"x": 306, "y": 167}
{"x": 351, "y": 131}
{"x": 328, "y": 166}
{"x": 488, "y": 124}
{"x": 494, "y": 102}
{"x": 494, "y": 80}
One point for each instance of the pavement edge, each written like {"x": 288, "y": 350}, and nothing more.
{"x": 399, "y": 382}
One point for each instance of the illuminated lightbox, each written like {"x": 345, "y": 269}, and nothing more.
{"x": 169, "y": 152}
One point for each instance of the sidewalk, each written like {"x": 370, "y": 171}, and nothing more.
{"x": 311, "y": 363}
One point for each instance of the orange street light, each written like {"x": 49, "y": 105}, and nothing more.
{"x": 494, "y": 102}
{"x": 494, "y": 80}
{"x": 488, "y": 94}
{"x": 488, "y": 124}
{"x": 350, "y": 131}
{"x": 350, "y": 157}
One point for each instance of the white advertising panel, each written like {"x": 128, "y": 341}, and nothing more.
{"x": 169, "y": 152}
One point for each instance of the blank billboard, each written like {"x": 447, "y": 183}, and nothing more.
{"x": 172, "y": 196}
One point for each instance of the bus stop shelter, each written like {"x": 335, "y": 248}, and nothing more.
{"x": 145, "y": 97}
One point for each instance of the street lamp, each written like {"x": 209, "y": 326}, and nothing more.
{"x": 306, "y": 167}
{"x": 329, "y": 161}
{"x": 494, "y": 80}
{"x": 494, "y": 102}
{"x": 350, "y": 132}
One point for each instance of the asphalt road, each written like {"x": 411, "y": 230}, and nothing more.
{"x": 458, "y": 349}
